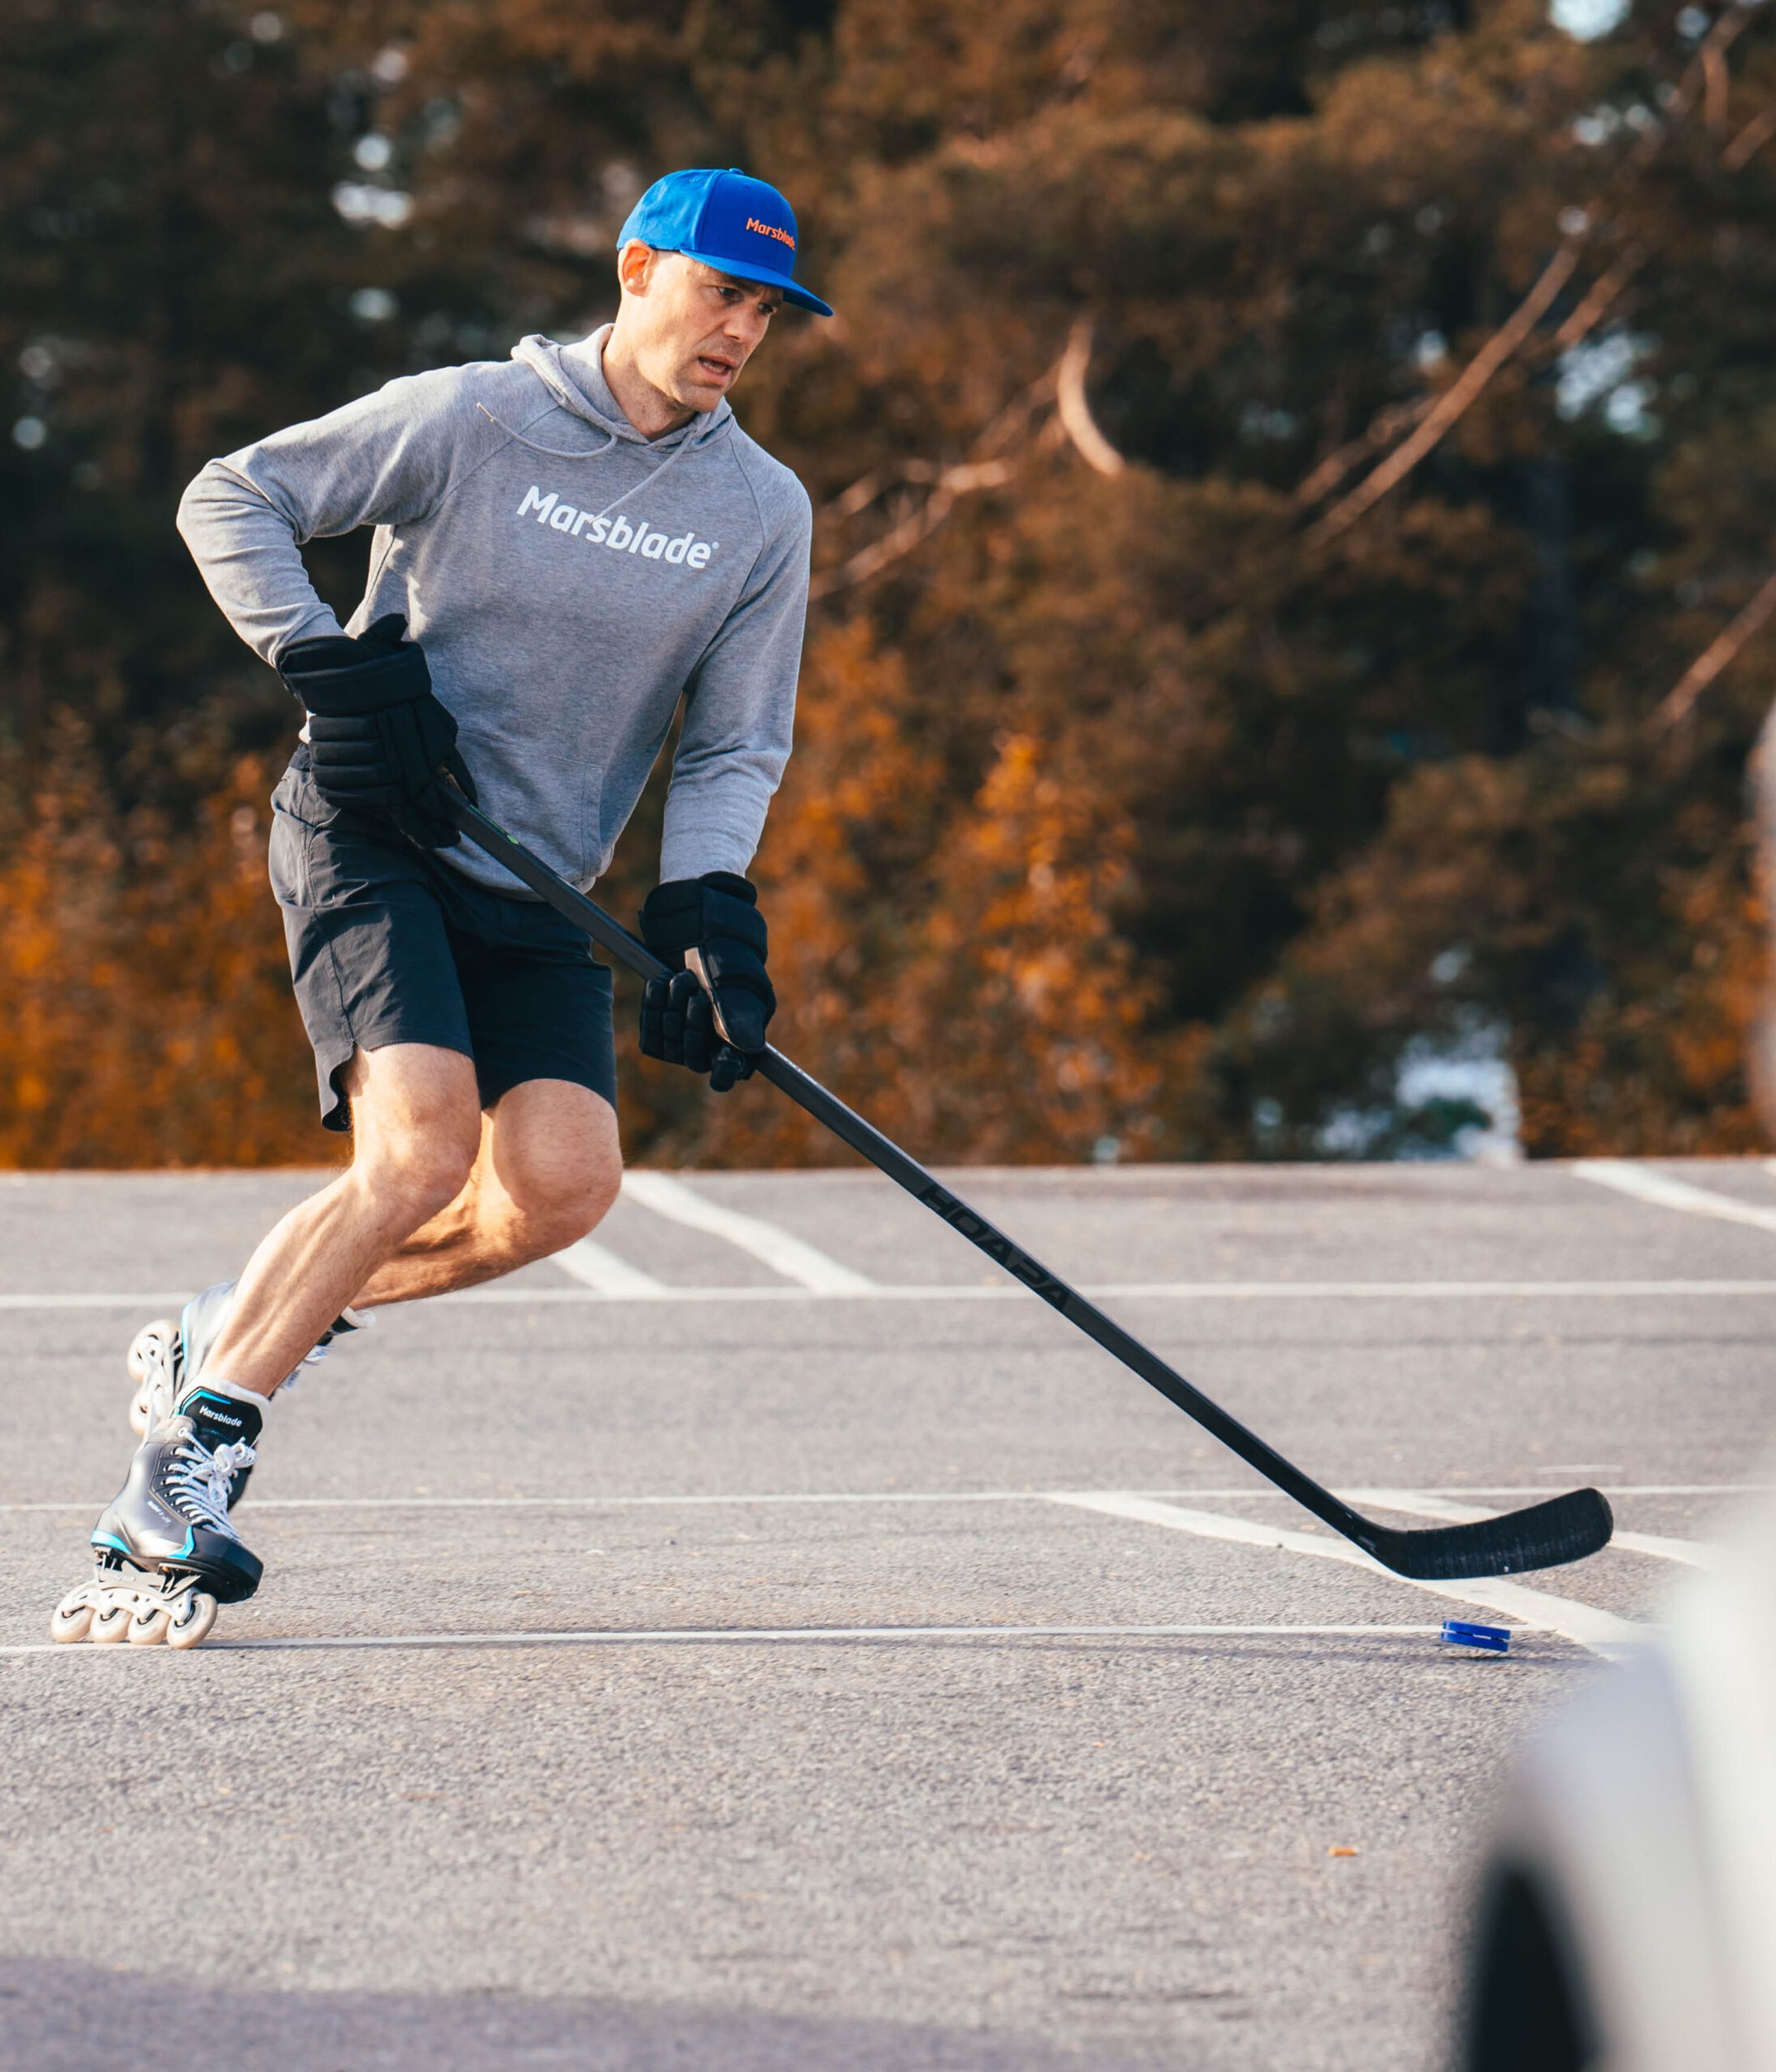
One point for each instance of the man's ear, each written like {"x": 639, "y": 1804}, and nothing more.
{"x": 636, "y": 266}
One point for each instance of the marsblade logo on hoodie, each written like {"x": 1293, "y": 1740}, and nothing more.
{"x": 620, "y": 534}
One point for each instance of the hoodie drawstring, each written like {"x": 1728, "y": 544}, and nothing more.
{"x": 543, "y": 357}
{"x": 593, "y": 453}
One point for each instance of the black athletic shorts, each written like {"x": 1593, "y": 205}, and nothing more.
{"x": 388, "y": 944}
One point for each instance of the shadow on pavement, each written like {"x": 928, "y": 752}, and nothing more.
{"x": 59, "y": 2017}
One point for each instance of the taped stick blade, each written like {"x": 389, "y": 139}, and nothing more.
{"x": 1546, "y": 1536}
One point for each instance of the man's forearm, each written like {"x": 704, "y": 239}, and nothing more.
{"x": 246, "y": 552}
{"x": 715, "y": 812}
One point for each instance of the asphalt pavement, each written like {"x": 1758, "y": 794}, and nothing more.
{"x": 768, "y": 1638}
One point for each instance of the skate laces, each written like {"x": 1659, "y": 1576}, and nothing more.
{"x": 198, "y": 1480}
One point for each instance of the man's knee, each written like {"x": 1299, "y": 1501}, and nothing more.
{"x": 430, "y": 1171}
{"x": 558, "y": 1208}
{"x": 555, "y": 1156}
{"x": 422, "y": 1170}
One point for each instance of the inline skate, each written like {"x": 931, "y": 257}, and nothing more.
{"x": 167, "y": 1551}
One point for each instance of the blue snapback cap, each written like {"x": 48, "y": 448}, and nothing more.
{"x": 729, "y": 220}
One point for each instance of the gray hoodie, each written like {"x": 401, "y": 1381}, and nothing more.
{"x": 569, "y": 579}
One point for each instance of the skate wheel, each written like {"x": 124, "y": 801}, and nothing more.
{"x": 150, "y": 1354}
{"x": 192, "y": 1621}
{"x": 153, "y": 1337}
{"x": 70, "y": 1619}
{"x": 109, "y": 1622}
{"x": 149, "y": 1626}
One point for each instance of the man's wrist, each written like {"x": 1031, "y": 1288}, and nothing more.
{"x": 341, "y": 677}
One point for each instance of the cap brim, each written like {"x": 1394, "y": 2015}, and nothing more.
{"x": 800, "y": 296}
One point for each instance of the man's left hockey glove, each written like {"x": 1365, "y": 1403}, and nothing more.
{"x": 716, "y": 916}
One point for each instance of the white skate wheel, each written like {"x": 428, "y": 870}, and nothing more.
{"x": 151, "y": 1353}
{"x": 109, "y": 1622}
{"x": 149, "y": 1624}
{"x": 136, "y": 1359}
{"x": 70, "y": 1619}
{"x": 192, "y": 1620}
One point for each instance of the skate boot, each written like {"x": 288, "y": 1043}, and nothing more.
{"x": 163, "y": 1356}
{"x": 167, "y": 1550}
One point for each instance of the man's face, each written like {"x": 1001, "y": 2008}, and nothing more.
{"x": 694, "y": 328}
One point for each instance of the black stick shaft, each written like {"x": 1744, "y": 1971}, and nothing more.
{"x": 887, "y": 1156}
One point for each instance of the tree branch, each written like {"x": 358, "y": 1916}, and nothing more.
{"x": 1706, "y": 72}
{"x": 949, "y": 484}
{"x": 864, "y": 492}
{"x": 1719, "y": 653}
{"x": 1072, "y": 408}
{"x": 1714, "y": 73}
{"x": 1601, "y": 294}
{"x": 1063, "y": 385}
{"x": 1750, "y": 141}
{"x": 1455, "y": 399}
{"x": 1383, "y": 427}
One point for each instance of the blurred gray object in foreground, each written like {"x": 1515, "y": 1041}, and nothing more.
{"x": 1627, "y": 1915}
{"x": 1761, "y": 1059}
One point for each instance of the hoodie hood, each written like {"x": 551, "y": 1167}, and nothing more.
{"x": 574, "y": 375}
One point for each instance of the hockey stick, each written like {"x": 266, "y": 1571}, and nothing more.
{"x": 1565, "y": 1528}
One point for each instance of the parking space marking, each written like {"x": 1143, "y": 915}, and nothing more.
{"x": 596, "y": 1266}
{"x": 789, "y": 1255}
{"x": 1589, "y": 1626}
{"x": 730, "y": 1636}
{"x": 1669, "y": 1192}
{"x": 1421, "y": 1503}
{"x": 859, "y": 1288}
{"x": 424, "y": 1501}
{"x": 1604, "y": 1633}
{"x": 81, "y": 1301}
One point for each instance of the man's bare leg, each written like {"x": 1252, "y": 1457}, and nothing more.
{"x": 548, "y": 1169}
{"x": 416, "y": 1119}
{"x": 546, "y": 1166}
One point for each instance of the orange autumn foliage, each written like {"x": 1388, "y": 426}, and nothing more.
{"x": 1662, "y": 1073}
{"x": 148, "y": 1016}
{"x": 1149, "y": 792}
{"x": 1001, "y": 1017}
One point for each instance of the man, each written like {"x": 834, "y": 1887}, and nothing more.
{"x": 566, "y": 545}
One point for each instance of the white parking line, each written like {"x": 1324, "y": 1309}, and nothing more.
{"x": 784, "y": 1254}
{"x": 996, "y": 1291}
{"x": 727, "y": 1636}
{"x": 594, "y": 1265}
{"x": 424, "y": 1501}
{"x": 1601, "y": 1631}
{"x": 1669, "y": 1192}
{"x": 1421, "y": 1503}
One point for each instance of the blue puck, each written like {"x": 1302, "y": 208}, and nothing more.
{"x": 1489, "y": 1639}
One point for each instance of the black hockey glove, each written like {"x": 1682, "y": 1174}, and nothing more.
{"x": 378, "y": 740}
{"x": 716, "y": 916}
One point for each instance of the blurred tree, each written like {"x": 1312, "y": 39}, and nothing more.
{"x": 1274, "y": 467}
{"x": 169, "y": 1036}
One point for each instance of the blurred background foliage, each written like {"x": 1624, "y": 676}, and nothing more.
{"x": 1278, "y": 469}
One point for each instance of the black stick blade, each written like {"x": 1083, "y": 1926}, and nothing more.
{"x": 1566, "y": 1528}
